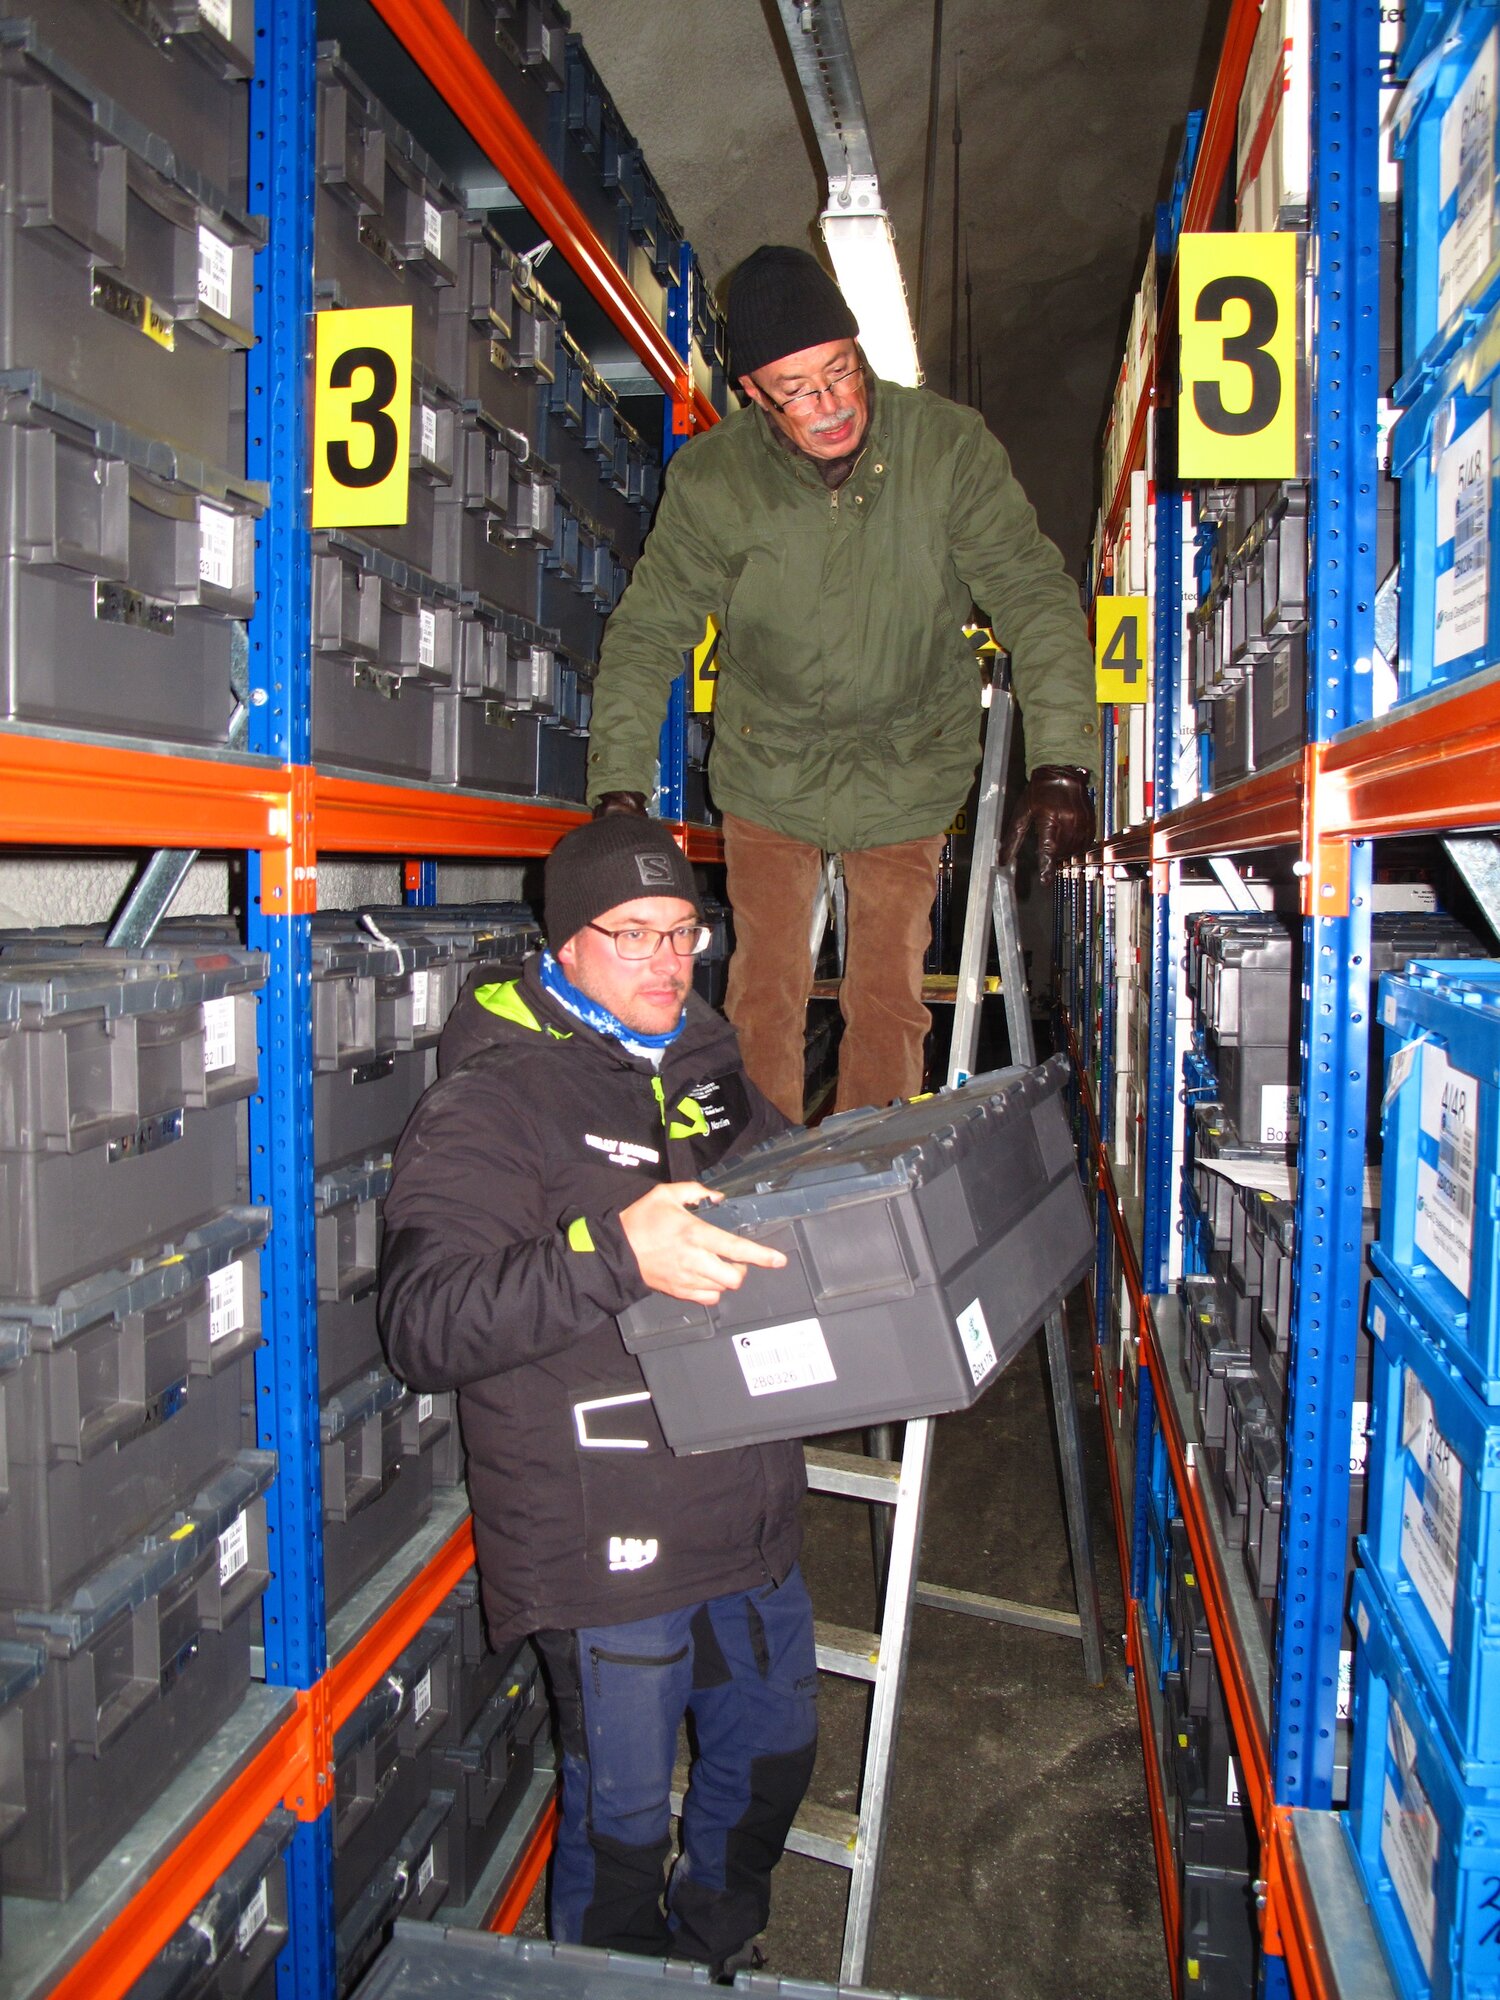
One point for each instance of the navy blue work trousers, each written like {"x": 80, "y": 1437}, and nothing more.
{"x": 742, "y": 1669}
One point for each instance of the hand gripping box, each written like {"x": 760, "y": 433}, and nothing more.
{"x": 925, "y": 1243}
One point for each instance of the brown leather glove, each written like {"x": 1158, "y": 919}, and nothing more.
{"x": 1056, "y": 802}
{"x": 619, "y": 802}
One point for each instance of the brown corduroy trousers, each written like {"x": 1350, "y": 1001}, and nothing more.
{"x": 773, "y": 883}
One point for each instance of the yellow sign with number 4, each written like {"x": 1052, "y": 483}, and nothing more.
{"x": 1237, "y": 411}
{"x": 1121, "y": 668}
{"x": 361, "y": 471}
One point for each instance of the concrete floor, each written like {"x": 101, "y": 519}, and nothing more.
{"x": 1018, "y": 1863}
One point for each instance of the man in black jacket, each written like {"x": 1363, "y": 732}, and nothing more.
{"x": 543, "y": 1184}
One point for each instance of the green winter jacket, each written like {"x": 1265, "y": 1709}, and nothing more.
{"x": 848, "y": 702}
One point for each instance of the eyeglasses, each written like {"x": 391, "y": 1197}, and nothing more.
{"x": 637, "y": 941}
{"x": 807, "y": 399}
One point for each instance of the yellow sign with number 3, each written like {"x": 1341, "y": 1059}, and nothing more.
{"x": 1237, "y": 412}
{"x": 361, "y": 472}
{"x": 1121, "y": 668}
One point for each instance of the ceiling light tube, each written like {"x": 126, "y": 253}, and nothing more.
{"x": 863, "y": 252}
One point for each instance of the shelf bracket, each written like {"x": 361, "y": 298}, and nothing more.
{"x": 1325, "y": 806}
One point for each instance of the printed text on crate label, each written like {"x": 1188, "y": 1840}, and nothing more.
{"x": 226, "y": 1302}
{"x": 1409, "y": 1838}
{"x": 974, "y": 1332}
{"x": 218, "y": 1034}
{"x": 1430, "y": 1518}
{"x": 234, "y": 1548}
{"x": 1444, "y": 1229}
{"x": 792, "y": 1356}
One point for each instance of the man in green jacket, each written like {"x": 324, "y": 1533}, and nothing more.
{"x": 840, "y": 530}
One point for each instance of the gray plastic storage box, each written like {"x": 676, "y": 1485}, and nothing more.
{"x": 925, "y": 1245}
{"x": 22, "y": 1664}
{"x": 227, "y": 1949}
{"x": 437, "y": 1962}
{"x": 410, "y": 1883}
{"x": 359, "y": 1113}
{"x": 124, "y": 568}
{"x": 488, "y": 1773}
{"x": 382, "y": 1765}
{"x": 146, "y": 1660}
{"x": 486, "y": 746}
{"x": 127, "y": 1391}
{"x": 377, "y": 1490}
{"x": 376, "y": 995}
{"x": 181, "y": 66}
{"x": 105, "y": 236}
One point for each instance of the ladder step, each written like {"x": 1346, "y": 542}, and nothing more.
{"x": 1003, "y": 1610}
{"x": 824, "y": 1832}
{"x": 846, "y": 1650}
{"x": 940, "y": 988}
{"x": 853, "y": 1475}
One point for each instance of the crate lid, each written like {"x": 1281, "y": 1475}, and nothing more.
{"x": 367, "y": 1396}
{"x": 186, "y": 1540}
{"x": 136, "y": 1286}
{"x": 211, "y": 1933}
{"x": 364, "y": 1180}
{"x": 858, "y": 1154}
{"x": 347, "y": 941}
{"x": 39, "y": 986}
{"x": 21, "y": 1668}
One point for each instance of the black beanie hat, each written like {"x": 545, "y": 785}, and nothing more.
{"x": 780, "y": 301}
{"x": 608, "y": 861}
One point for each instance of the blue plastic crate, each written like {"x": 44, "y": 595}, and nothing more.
{"x": 1443, "y": 454}
{"x": 1440, "y": 1184}
{"x": 1432, "y": 1530}
{"x": 1427, "y": 1846}
{"x": 1423, "y": 25}
{"x": 1445, "y": 137}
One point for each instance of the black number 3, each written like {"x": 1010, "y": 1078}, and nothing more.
{"x": 1247, "y": 348}
{"x": 372, "y": 410}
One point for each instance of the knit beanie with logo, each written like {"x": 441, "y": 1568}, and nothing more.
{"x": 608, "y": 861}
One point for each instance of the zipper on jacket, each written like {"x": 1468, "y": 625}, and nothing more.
{"x": 834, "y": 495}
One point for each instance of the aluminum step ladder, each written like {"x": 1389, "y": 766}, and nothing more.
{"x": 856, "y": 1840}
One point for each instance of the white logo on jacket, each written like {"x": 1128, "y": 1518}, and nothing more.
{"x": 623, "y": 1152}
{"x": 629, "y": 1552}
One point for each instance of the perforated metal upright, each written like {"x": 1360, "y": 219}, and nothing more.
{"x": 673, "y": 436}
{"x": 1344, "y": 364}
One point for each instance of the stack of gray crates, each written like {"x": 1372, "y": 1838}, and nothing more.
{"x": 133, "y": 1533}
{"x": 126, "y": 522}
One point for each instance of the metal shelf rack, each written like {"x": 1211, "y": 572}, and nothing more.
{"x": 71, "y": 790}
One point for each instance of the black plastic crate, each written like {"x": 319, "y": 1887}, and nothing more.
{"x": 228, "y": 1947}
{"x": 488, "y": 1774}
{"x": 377, "y": 1488}
{"x": 359, "y": 1113}
{"x": 925, "y": 1245}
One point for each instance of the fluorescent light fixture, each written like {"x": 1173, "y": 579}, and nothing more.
{"x": 863, "y": 251}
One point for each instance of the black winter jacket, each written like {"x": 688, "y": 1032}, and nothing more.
{"x": 503, "y": 1267}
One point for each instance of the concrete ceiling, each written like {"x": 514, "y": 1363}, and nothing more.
{"x": 1072, "y": 112}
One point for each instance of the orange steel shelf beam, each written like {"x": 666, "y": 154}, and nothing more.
{"x": 700, "y": 843}
{"x": 436, "y": 43}
{"x": 113, "y": 1963}
{"x": 1156, "y": 1804}
{"x": 1135, "y": 452}
{"x": 76, "y": 794}
{"x": 364, "y": 816}
{"x": 1385, "y": 777}
{"x": 1216, "y": 149}
{"x": 350, "y": 1678}
{"x": 1264, "y": 811}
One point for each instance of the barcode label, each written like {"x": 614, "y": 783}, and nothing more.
{"x": 426, "y": 1872}
{"x": 215, "y": 547}
{"x": 1431, "y": 1509}
{"x": 432, "y": 229}
{"x": 226, "y": 1302}
{"x": 1444, "y": 1228}
{"x": 419, "y": 999}
{"x": 215, "y": 270}
{"x": 424, "y": 1409}
{"x": 777, "y": 1358}
{"x": 218, "y": 1034}
{"x": 429, "y": 433}
{"x": 421, "y": 1696}
{"x": 234, "y": 1549}
{"x": 253, "y": 1916}
{"x": 426, "y": 638}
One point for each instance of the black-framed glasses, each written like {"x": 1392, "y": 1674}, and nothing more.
{"x": 641, "y": 941}
{"x": 807, "y": 399}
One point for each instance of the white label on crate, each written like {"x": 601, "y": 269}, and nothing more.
{"x": 215, "y": 547}
{"x": 215, "y": 272}
{"x": 792, "y": 1356}
{"x": 226, "y": 1302}
{"x": 234, "y": 1548}
{"x": 1232, "y": 1790}
{"x": 419, "y": 999}
{"x": 424, "y": 1409}
{"x": 1466, "y": 177}
{"x": 1281, "y": 681}
{"x": 253, "y": 1917}
{"x": 1430, "y": 1520}
{"x": 421, "y": 1696}
{"x": 1343, "y": 1706}
{"x": 426, "y": 1872}
{"x": 218, "y": 1034}
{"x": 1409, "y": 1840}
{"x": 1462, "y": 591}
{"x": 1403, "y": 1061}
{"x": 218, "y": 14}
{"x": 974, "y": 1332}
{"x": 432, "y": 229}
{"x": 1359, "y": 1442}
{"x": 429, "y": 433}
{"x": 1275, "y": 1113}
{"x": 1444, "y": 1228}
{"x": 426, "y": 638}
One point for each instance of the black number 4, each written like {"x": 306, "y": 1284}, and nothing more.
{"x": 1249, "y": 350}
{"x": 1123, "y": 652}
{"x": 372, "y": 410}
